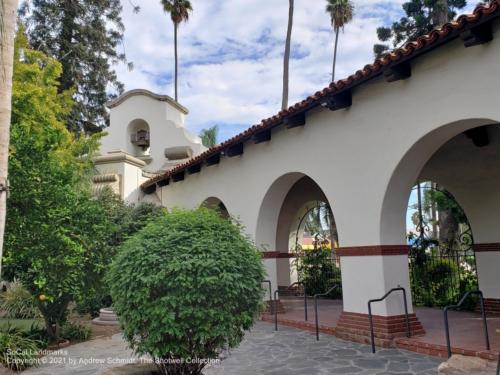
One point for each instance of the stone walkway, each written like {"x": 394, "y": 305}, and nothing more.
{"x": 264, "y": 351}
{"x": 293, "y": 352}
{"x": 92, "y": 357}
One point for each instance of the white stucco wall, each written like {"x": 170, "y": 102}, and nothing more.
{"x": 166, "y": 125}
{"x": 130, "y": 171}
{"x": 369, "y": 277}
{"x": 488, "y": 265}
{"x": 365, "y": 159}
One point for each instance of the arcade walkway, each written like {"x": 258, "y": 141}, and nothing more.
{"x": 466, "y": 328}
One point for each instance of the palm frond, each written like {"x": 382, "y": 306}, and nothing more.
{"x": 178, "y": 10}
{"x": 341, "y": 12}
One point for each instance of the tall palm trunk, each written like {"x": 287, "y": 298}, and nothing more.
{"x": 337, "y": 32}
{"x": 286, "y": 60}
{"x": 176, "y": 62}
{"x": 8, "y": 9}
{"x": 441, "y": 15}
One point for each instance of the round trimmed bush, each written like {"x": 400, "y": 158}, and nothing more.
{"x": 185, "y": 287}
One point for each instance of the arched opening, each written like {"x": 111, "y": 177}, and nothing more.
{"x": 216, "y": 204}
{"x": 297, "y": 226}
{"x": 455, "y": 241}
{"x": 138, "y": 138}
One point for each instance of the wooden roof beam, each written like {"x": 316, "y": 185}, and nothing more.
{"x": 179, "y": 176}
{"x": 235, "y": 150}
{"x": 149, "y": 189}
{"x": 296, "y": 120}
{"x": 192, "y": 169}
{"x": 398, "y": 71}
{"x": 213, "y": 160}
{"x": 477, "y": 35}
{"x": 261, "y": 137}
{"x": 163, "y": 182}
{"x": 336, "y": 101}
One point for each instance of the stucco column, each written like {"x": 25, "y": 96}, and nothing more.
{"x": 369, "y": 272}
{"x": 488, "y": 271}
{"x": 270, "y": 266}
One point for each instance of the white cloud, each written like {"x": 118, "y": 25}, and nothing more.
{"x": 231, "y": 54}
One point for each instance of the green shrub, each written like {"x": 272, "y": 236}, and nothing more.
{"x": 18, "y": 303}
{"x": 185, "y": 287}
{"x": 317, "y": 271}
{"x": 37, "y": 333}
{"x": 16, "y": 351}
{"x": 436, "y": 283}
{"x": 75, "y": 331}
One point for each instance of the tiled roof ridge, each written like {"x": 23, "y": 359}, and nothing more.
{"x": 399, "y": 53}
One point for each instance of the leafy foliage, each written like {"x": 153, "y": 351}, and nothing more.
{"x": 17, "y": 303}
{"x": 421, "y": 17}
{"x": 341, "y": 12}
{"x": 37, "y": 333}
{"x": 121, "y": 221}
{"x": 75, "y": 331}
{"x": 178, "y": 10}
{"x": 50, "y": 237}
{"x": 209, "y": 136}
{"x": 16, "y": 351}
{"x": 317, "y": 271}
{"x": 435, "y": 284}
{"x": 84, "y": 37}
{"x": 185, "y": 287}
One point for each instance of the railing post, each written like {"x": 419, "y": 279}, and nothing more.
{"x": 305, "y": 301}
{"x": 370, "y": 316}
{"x": 457, "y": 306}
{"x": 485, "y": 322}
{"x": 276, "y": 293}
{"x": 408, "y": 329}
{"x": 316, "y": 316}
{"x": 447, "y": 331}
{"x": 372, "y": 333}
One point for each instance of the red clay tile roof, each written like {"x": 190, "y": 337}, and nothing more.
{"x": 423, "y": 44}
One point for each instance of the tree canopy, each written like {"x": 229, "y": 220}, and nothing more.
{"x": 84, "y": 37}
{"x": 421, "y": 16}
{"x": 209, "y": 136}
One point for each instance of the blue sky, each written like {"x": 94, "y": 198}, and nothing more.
{"x": 231, "y": 55}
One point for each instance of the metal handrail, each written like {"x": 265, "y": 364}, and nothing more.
{"x": 270, "y": 290}
{"x": 457, "y": 307}
{"x": 316, "y": 306}
{"x": 276, "y": 293}
{"x": 370, "y": 316}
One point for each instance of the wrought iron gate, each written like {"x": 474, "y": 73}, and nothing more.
{"x": 441, "y": 269}
{"x": 316, "y": 262}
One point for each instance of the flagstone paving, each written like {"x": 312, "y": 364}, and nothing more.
{"x": 293, "y": 352}
{"x": 263, "y": 351}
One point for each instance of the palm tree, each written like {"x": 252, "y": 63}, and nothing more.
{"x": 209, "y": 136}
{"x": 179, "y": 12}
{"x": 286, "y": 62}
{"x": 440, "y": 13}
{"x": 341, "y": 13}
{"x": 8, "y": 12}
